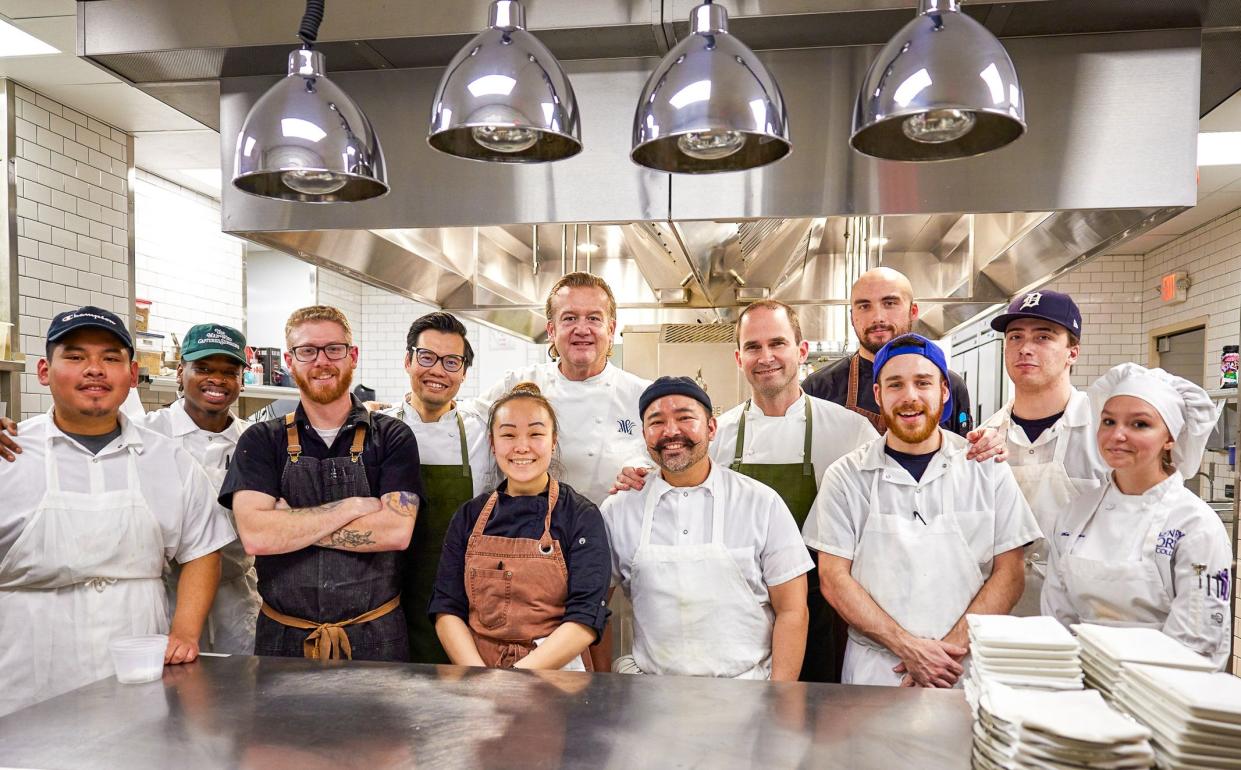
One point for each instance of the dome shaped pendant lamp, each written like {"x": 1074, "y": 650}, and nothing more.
{"x": 942, "y": 88}
{"x": 505, "y": 98}
{"x": 710, "y": 105}
{"x": 305, "y": 139}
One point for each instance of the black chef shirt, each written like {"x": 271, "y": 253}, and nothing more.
{"x": 389, "y": 453}
{"x": 831, "y": 383}
{"x": 576, "y": 524}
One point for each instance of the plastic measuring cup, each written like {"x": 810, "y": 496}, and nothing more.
{"x": 138, "y": 658}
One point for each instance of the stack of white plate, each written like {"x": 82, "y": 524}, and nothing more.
{"x": 1106, "y": 648}
{"x": 1195, "y": 716}
{"x": 1023, "y": 652}
{"x": 1023, "y": 728}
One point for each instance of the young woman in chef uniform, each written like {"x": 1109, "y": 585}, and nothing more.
{"x": 524, "y": 571}
{"x": 1144, "y": 551}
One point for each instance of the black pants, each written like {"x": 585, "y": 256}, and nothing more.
{"x": 825, "y": 637}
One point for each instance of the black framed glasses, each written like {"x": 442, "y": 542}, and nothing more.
{"x": 307, "y": 353}
{"x": 427, "y": 358}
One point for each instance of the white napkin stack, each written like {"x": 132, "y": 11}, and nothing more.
{"x": 1023, "y": 728}
{"x": 1106, "y": 648}
{"x": 1195, "y": 716}
{"x": 1023, "y": 652}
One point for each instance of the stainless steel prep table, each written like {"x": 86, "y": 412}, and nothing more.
{"x": 274, "y": 713}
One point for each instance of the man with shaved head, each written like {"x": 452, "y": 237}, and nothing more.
{"x": 881, "y": 308}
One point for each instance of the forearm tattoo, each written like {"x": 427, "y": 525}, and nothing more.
{"x": 348, "y": 538}
{"x": 402, "y": 503}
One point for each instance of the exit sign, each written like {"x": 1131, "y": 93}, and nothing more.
{"x": 1174, "y": 288}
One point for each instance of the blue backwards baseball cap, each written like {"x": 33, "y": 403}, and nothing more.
{"x": 1044, "y": 304}
{"x": 916, "y": 344}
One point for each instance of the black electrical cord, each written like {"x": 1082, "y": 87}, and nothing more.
{"x": 309, "y": 29}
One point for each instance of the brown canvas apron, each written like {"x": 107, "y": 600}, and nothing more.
{"x": 517, "y": 588}
{"x": 851, "y": 399}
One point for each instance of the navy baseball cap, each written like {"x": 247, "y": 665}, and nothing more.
{"x": 916, "y": 344}
{"x": 1045, "y": 304}
{"x": 89, "y": 317}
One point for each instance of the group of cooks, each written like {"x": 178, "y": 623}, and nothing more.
{"x": 837, "y": 529}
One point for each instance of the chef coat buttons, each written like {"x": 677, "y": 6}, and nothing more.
{"x": 685, "y": 494}
{"x": 590, "y": 454}
{"x": 685, "y": 532}
{"x": 581, "y": 541}
{"x": 1031, "y": 451}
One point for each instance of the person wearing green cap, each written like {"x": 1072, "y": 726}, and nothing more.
{"x": 209, "y": 379}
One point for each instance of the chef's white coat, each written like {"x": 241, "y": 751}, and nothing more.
{"x": 600, "y": 428}
{"x": 990, "y": 508}
{"x": 439, "y": 442}
{"x": 214, "y": 451}
{"x": 1081, "y": 462}
{"x": 174, "y": 486}
{"x": 1191, "y": 534}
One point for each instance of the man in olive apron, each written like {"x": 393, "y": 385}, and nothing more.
{"x": 326, "y": 498}
{"x": 455, "y": 454}
{"x": 1048, "y": 423}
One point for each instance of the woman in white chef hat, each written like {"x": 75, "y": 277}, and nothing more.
{"x": 1143, "y": 550}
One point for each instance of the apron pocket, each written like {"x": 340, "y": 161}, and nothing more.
{"x": 491, "y": 592}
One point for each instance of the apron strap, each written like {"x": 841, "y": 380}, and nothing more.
{"x": 851, "y": 392}
{"x": 553, "y": 494}
{"x": 481, "y": 524}
{"x": 359, "y": 437}
{"x": 465, "y": 450}
{"x": 329, "y": 641}
{"x": 295, "y": 445}
{"x": 740, "y": 448}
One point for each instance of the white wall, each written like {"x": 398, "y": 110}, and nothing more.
{"x": 73, "y": 203}
{"x": 276, "y": 285}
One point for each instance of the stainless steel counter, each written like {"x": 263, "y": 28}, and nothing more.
{"x": 274, "y": 713}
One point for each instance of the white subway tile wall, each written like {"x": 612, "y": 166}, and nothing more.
{"x": 1108, "y": 291}
{"x": 73, "y": 202}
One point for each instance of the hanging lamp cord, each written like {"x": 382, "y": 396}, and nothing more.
{"x": 309, "y": 29}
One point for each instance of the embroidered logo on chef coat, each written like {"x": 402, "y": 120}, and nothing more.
{"x": 1032, "y": 299}
{"x": 1167, "y": 541}
{"x": 625, "y": 426}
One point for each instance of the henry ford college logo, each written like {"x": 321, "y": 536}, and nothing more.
{"x": 625, "y": 426}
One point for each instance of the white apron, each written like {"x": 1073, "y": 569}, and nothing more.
{"x": 85, "y": 569}
{"x": 1048, "y": 490}
{"x": 694, "y": 614}
{"x": 922, "y": 574}
{"x": 1120, "y": 592}
{"x": 230, "y": 623}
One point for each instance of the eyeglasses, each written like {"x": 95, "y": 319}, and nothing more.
{"x": 427, "y": 358}
{"x": 308, "y": 353}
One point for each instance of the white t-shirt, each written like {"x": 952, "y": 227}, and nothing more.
{"x": 600, "y": 428}
{"x": 439, "y": 443}
{"x": 989, "y": 506}
{"x": 174, "y": 485}
{"x": 759, "y": 532}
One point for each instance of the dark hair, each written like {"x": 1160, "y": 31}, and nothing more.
{"x": 526, "y": 390}
{"x": 438, "y": 322}
{"x": 772, "y": 305}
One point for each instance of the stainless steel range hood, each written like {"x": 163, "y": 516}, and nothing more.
{"x": 1110, "y": 152}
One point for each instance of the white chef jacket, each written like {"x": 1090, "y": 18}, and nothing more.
{"x": 600, "y": 428}
{"x": 759, "y": 531}
{"x": 175, "y": 487}
{"x": 1191, "y": 534}
{"x": 1081, "y": 461}
{"x": 213, "y": 451}
{"x": 990, "y": 508}
{"x": 439, "y": 443}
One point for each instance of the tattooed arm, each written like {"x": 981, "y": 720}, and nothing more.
{"x": 388, "y": 529}
{"x": 269, "y": 526}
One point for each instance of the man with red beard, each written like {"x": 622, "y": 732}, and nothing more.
{"x": 325, "y": 498}
{"x": 881, "y": 308}
{"x": 911, "y": 536}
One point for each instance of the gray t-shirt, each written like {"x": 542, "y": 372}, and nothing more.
{"x": 95, "y": 444}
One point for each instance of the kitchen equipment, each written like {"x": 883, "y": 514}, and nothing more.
{"x": 138, "y": 658}
{"x": 142, "y": 314}
{"x": 268, "y": 371}
{"x": 149, "y": 349}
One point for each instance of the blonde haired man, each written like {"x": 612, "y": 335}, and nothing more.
{"x": 595, "y": 400}
{"x": 325, "y": 498}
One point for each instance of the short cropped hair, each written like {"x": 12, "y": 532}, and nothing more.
{"x": 438, "y": 322}
{"x": 317, "y": 313}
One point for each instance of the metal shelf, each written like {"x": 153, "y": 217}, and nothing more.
{"x": 1223, "y": 394}
{"x": 12, "y": 366}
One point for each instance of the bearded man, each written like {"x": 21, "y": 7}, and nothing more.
{"x": 911, "y": 536}
{"x": 325, "y": 499}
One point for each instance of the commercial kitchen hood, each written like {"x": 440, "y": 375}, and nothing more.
{"x": 1110, "y": 152}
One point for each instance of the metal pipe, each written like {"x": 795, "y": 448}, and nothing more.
{"x": 534, "y": 248}
{"x": 590, "y": 246}
{"x": 564, "y": 250}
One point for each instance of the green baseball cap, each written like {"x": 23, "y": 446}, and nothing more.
{"x": 213, "y": 340}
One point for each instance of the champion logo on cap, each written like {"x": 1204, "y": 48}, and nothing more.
{"x": 1032, "y": 299}
{"x": 72, "y": 316}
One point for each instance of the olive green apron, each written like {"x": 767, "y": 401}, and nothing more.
{"x": 445, "y": 489}
{"x": 797, "y": 486}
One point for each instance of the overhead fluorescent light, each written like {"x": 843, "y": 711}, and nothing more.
{"x": 1219, "y": 148}
{"x": 588, "y": 248}
{"x": 878, "y": 240}
{"x": 19, "y": 42}
{"x": 672, "y": 296}
{"x": 752, "y": 293}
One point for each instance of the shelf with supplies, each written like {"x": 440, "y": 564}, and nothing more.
{"x": 1223, "y": 394}
{"x": 269, "y": 392}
